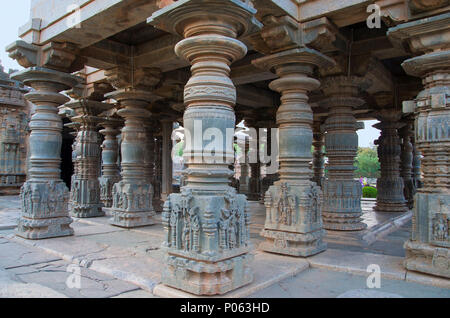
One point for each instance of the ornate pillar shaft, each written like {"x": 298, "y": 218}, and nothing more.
{"x": 207, "y": 235}
{"x": 44, "y": 196}
{"x": 110, "y": 170}
{"x": 390, "y": 184}
{"x": 293, "y": 204}
{"x": 244, "y": 179}
{"x": 406, "y": 166}
{"x": 428, "y": 250}
{"x": 342, "y": 193}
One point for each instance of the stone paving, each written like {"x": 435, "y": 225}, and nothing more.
{"x": 117, "y": 262}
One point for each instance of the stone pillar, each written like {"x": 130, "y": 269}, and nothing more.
{"x": 167, "y": 164}
{"x": 293, "y": 204}
{"x": 133, "y": 195}
{"x": 110, "y": 169}
{"x": 318, "y": 154}
{"x": 85, "y": 187}
{"x": 390, "y": 184}
{"x": 406, "y": 165}
{"x": 342, "y": 193}
{"x": 428, "y": 250}
{"x": 44, "y": 196}
{"x": 207, "y": 234}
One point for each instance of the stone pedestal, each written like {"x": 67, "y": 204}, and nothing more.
{"x": 390, "y": 184}
{"x": 406, "y": 164}
{"x": 342, "y": 193}
{"x": 428, "y": 250}
{"x": 85, "y": 187}
{"x": 133, "y": 195}
{"x": 45, "y": 196}
{"x": 207, "y": 235}
{"x": 110, "y": 170}
{"x": 294, "y": 203}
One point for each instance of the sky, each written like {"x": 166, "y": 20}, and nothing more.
{"x": 12, "y": 16}
{"x": 17, "y": 14}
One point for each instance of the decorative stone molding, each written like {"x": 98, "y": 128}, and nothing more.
{"x": 342, "y": 193}
{"x": 428, "y": 249}
{"x": 207, "y": 235}
{"x": 419, "y": 6}
{"x": 44, "y": 196}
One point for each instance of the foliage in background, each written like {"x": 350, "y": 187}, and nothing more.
{"x": 369, "y": 192}
{"x": 367, "y": 163}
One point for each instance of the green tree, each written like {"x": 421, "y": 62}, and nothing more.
{"x": 367, "y": 163}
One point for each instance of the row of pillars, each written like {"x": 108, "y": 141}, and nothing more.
{"x": 207, "y": 238}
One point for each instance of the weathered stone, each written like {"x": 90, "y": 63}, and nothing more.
{"x": 206, "y": 224}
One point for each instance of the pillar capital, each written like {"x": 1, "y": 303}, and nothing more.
{"x": 58, "y": 56}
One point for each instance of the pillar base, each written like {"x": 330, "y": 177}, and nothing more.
{"x": 391, "y": 207}
{"x": 202, "y": 277}
{"x": 87, "y": 211}
{"x": 342, "y": 205}
{"x": 293, "y": 244}
{"x": 343, "y": 221}
{"x": 132, "y": 205}
{"x": 37, "y": 229}
{"x": 132, "y": 219}
{"x": 425, "y": 258}
{"x": 44, "y": 210}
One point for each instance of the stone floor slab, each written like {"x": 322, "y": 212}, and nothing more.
{"x": 357, "y": 263}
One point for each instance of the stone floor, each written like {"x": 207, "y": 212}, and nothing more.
{"x": 115, "y": 262}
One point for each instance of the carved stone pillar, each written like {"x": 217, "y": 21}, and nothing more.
{"x": 318, "y": 154}
{"x": 342, "y": 193}
{"x": 85, "y": 187}
{"x": 390, "y": 184}
{"x": 207, "y": 235}
{"x": 110, "y": 170}
{"x": 44, "y": 196}
{"x": 293, "y": 204}
{"x": 406, "y": 164}
{"x": 428, "y": 250}
{"x": 133, "y": 195}
{"x": 167, "y": 165}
